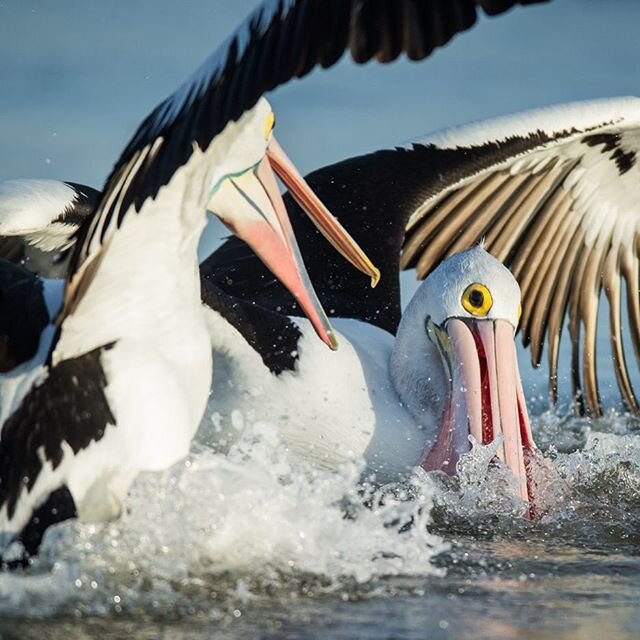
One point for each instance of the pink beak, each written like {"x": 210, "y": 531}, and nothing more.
{"x": 485, "y": 399}
{"x": 251, "y": 206}
{"x": 326, "y": 223}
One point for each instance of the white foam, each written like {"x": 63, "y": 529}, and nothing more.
{"x": 237, "y": 524}
{"x": 215, "y": 531}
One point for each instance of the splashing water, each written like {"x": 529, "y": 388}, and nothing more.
{"x": 222, "y": 538}
{"x": 217, "y": 526}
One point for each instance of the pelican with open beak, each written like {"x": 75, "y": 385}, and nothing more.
{"x": 248, "y": 201}
{"x": 472, "y": 328}
{"x": 420, "y": 397}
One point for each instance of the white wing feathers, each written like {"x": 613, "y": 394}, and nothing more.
{"x": 556, "y": 194}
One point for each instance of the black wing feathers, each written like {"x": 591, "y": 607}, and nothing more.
{"x": 83, "y": 205}
{"x": 267, "y": 51}
{"x": 69, "y": 406}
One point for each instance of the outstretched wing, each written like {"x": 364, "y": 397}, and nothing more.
{"x": 45, "y": 213}
{"x": 279, "y": 41}
{"x": 554, "y": 194}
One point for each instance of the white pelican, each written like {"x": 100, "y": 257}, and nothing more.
{"x": 130, "y": 367}
{"x": 553, "y": 192}
{"x": 449, "y": 373}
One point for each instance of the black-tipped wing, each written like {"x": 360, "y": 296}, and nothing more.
{"x": 279, "y": 41}
{"x": 56, "y": 420}
{"x": 38, "y": 220}
{"x": 30, "y": 209}
{"x": 555, "y": 195}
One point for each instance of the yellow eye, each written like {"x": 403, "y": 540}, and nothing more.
{"x": 477, "y": 299}
{"x": 269, "y": 123}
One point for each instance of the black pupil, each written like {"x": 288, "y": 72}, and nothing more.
{"x": 476, "y": 298}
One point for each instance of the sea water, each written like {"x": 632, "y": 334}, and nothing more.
{"x": 245, "y": 545}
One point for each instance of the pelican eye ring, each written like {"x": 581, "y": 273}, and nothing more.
{"x": 477, "y": 299}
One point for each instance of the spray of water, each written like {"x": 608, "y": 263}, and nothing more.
{"x": 217, "y": 529}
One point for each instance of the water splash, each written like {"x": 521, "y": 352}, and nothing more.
{"x": 587, "y": 487}
{"x": 217, "y": 530}
{"x": 220, "y": 531}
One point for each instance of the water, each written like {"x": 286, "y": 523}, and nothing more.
{"x": 274, "y": 552}
{"x": 246, "y": 546}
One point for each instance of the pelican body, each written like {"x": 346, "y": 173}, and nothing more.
{"x": 396, "y": 402}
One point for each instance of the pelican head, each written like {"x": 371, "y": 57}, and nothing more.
{"x": 245, "y": 196}
{"x": 455, "y": 362}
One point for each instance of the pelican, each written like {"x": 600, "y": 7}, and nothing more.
{"x": 130, "y": 364}
{"x": 397, "y": 402}
{"x": 553, "y": 194}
